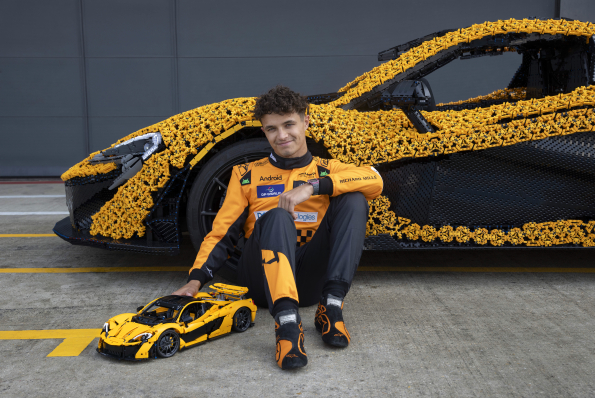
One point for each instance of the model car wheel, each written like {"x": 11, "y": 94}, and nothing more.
{"x": 167, "y": 344}
{"x": 242, "y": 319}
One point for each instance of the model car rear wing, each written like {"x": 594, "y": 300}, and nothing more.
{"x": 228, "y": 292}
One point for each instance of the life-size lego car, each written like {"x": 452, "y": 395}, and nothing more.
{"x": 514, "y": 168}
{"x": 172, "y": 323}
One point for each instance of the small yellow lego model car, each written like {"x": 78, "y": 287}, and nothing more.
{"x": 171, "y": 323}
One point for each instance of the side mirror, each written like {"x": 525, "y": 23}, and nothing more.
{"x": 186, "y": 318}
{"x": 139, "y": 308}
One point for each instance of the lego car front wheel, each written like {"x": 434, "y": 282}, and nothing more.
{"x": 168, "y": 344}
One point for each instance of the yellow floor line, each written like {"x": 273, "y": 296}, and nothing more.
{"x": 90, "y": 269}
{"x": 360, "y": 269}
{"x": 71, "y": 347}
{"x": 75, "y": 340}
{"x": 47, "y": 334}
{"x": 477, "y": 269}
{"x": 27, "y": 235}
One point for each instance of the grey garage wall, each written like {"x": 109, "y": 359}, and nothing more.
{"x": 76, "y": 75}
{"x": 583, "y": 10}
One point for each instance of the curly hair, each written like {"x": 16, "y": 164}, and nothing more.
{"x": 280, "y": 100}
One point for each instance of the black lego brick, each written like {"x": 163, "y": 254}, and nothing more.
{"x": 537, "y": 181}
{"x": 166, "y": 230}
{"x": 409, "y": 188}
{"x": 83, "y": 213}
{"x": 65, "y": 231}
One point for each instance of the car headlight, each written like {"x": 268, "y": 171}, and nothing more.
{"x": 106, "y": 328}
{"x": 131, "y": 154}
{"x": 142, "y": 336}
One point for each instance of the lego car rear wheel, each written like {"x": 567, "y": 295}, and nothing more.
{"x": 168, "y": 344}
{"x": 209, "y": 189}
{"x": 241, "y": 319}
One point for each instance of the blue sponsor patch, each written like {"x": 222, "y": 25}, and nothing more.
{"x": 268, "y": 191}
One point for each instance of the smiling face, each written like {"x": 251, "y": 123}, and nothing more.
{"x": 286, "y": 133}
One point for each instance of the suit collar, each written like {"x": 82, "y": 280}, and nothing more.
{"x": 290, "y": 163}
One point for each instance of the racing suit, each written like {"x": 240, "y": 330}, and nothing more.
{"x": 323, "y": 244}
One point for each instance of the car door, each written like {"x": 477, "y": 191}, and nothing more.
{"x": 196, "y": 330}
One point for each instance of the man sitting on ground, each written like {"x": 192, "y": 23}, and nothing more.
{"x": 305, "y": 223}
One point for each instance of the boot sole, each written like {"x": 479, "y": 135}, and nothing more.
{"x": 340, "y": 344}
{"x": 294, "y": 363}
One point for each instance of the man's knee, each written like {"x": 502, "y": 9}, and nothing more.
{"x": 354, "y": 201}
{"x": 276, "y": 215}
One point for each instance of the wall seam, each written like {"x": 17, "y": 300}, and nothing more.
{"x": 87, "y": 138}
{"x": 176, "y": 69}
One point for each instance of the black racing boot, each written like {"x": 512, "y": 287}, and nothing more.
{"x": 329, "y": 321}
{"x": 289, "y": 334}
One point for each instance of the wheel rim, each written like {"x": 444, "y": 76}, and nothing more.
{"x": 168, "y": 344}
{"x": 214, "y": 194}
{"x": 212, "y": 199}
{"x": 243, "y": 319}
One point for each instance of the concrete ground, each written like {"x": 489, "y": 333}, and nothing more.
{"x": 416, "y": 333}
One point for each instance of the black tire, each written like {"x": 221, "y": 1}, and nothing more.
{"x": 168, "y": 344}
{"x": 209, "y": 188}
{"x": 242, "y": 319}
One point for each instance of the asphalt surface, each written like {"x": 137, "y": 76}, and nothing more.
{"x": 480, "y": 332}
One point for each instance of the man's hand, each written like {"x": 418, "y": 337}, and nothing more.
{"x": 288, "y": 200}
{"x": 190, "y": 289}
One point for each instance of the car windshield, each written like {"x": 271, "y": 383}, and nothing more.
{"x": 160, "y": 312}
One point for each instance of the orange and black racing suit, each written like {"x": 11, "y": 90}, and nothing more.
{"x": 283, "y": 258}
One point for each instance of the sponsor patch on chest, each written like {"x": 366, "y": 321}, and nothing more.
{"x": 269, "y": 191}
{"x": 302, "y": 216}
{"x": 271, "y": 178}
{"x": 307, "y": 176}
